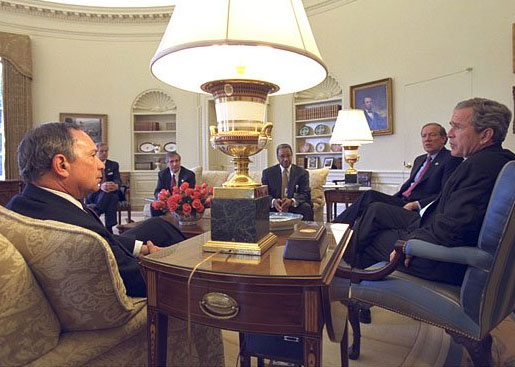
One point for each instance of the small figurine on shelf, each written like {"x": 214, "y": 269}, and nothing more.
{"x": 157, "y": 148}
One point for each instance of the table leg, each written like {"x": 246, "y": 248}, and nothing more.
{"x": 312, "y": 352}
{"x": 157, "y": 337}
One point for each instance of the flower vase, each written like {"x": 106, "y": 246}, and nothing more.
{"x": 187, "y": 220}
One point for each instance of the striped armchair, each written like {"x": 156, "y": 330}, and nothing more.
{"x": 468, "y": 313}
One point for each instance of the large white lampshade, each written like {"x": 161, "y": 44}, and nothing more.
{"x": 263, "y": 40}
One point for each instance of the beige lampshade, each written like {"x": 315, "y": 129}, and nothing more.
{"x": 265, "y": 40}
{"x": 351, "y": 129}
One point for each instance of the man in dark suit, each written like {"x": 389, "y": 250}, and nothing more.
{"x": 375, "y": 121}
{"x": 173, "y": 175}
{"x": 58, "y": 162}
{"x": 288, "y": 184}
{"x": 106, "y": 199}
{"x": 478, "y": 128}
{"x": 428, "y": 176}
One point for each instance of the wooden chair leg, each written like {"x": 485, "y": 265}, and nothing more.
{"x": 344, "y": 345}
{"x": 355, "y": 348}
{"x": 129, "y": 220}
{"x": 244, "y": 356}
{"x": 119, "y": 216}
{"x": 480, "y": 351}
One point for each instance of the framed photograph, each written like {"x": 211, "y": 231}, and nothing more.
{"x": 328, "y": 162}
{"x": 94, "y": 125}
{"x": 312, "y": 162}
{"x": 375, "y": 99}
{"x": 301, "y": 162}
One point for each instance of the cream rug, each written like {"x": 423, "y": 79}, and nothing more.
{"x": 393, "y": 340}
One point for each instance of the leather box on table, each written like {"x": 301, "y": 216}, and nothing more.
{"x": 306, "y": 243}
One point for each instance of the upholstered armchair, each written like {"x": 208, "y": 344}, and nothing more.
{"x": 468, "y": 313}
{"x": 63, "y": 303}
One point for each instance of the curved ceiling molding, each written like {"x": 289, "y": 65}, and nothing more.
{"x": 329, "y": 88}
{"x": 154, "y": 101}
{"x": 81, "y": 13}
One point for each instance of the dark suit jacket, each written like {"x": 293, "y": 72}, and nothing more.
{"x": 41, "y": 204}
{"x": 433, "y": 180}
{"x": 298, "y": 183}
{"x": 164, "y": 179}
{"x": 456, "y": 216}
{"x": 112, "y": 172}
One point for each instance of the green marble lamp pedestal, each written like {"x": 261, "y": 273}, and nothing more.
{"x": 240, "y": 221}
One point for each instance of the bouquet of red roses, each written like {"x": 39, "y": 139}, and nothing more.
{"x": 184, "y": 200}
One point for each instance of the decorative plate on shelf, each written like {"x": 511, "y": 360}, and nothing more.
{"x": 305, "y": 130}
{"x": 321, "y": 129}
{"x": 305, "y": 148}
{"x": 147, "y": 147}
{"x": 170, "y": 147}
{"x": 336, "y": 148}
{"x": 282, "y": 221}
{"x": 320, "y": 147}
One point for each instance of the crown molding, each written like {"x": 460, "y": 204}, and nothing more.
{"x": 56, "y": 11}
{"x": 314, "y": 7}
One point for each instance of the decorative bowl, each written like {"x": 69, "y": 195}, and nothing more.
{"x": 283, "y": 221}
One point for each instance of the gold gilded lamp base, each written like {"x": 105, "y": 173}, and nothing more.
{"x": 241, "y": 248}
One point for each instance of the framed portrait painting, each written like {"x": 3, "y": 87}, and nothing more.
{"x": 375, "y": 99}
{"x": 94, "y": 125}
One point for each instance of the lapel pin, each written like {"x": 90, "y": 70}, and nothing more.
{"x": 436, "y": 164}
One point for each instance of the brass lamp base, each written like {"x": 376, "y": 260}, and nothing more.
{"x": 241, "y": 248}
{"x": 241, "y": 131}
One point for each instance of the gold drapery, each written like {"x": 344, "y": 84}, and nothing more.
{"x": 17, "y": 83}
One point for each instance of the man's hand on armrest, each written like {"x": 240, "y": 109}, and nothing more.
{"x": 148, "y": 248}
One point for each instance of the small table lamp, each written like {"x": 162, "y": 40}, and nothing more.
{"x": 351, "y": 130}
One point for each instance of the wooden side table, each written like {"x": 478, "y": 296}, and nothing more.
{"x": 263, "y": 294}
{"x": 341, "y": 195}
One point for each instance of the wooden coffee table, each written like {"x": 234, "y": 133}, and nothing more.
{"x": 268, "y": 294}
{"x": 203, "y": 225}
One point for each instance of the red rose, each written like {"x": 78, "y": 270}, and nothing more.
{"x": 204, "y": 185}
{"x": 175, "y": 190}
{"x": 211, "y": 191}
{"x": 200, "y": 209}
{"x": 196, "y": 195}
{"x": 172, "y": 206}
{"x": 158, "y": 205}
{"x": 203, "y": 192}
{"x": 207, "y": 203}
{"x": 196, "y": 204}
{"x": 189, "y": 192}
{"x": 184, "y": 186}
{"x": 197, "y": 187}
{"x": 186, "y": 208}
{"x": 163, "y": 194}
{"x": 176, "y": 198}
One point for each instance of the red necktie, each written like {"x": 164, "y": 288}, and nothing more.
{"x": 173, "y": 182}
{"x": 407, "y": 193}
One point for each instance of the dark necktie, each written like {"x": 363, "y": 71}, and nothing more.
{"x": 173, "y": 181}
{"x": 410, "y": 189}
{"x": 91, "y": 212}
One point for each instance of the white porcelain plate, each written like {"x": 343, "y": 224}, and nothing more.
{"x": 170, "y": 147}
{"x": 283, "y": 221}
{"x": 146, "y": 147}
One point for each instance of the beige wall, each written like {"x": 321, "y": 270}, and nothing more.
{"x": 425, "y": 46}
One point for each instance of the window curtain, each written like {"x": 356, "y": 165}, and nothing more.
{"x": 17, "y": 82}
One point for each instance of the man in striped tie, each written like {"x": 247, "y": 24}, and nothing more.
{"x": 429, "y": 174}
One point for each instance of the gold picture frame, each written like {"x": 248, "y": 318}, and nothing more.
{"x": 93, "y": 124}
{"x": 377, "y": 96}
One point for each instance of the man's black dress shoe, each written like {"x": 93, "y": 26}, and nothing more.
{"x": 365, "y": 316}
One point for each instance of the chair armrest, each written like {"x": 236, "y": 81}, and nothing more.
{"x": 471, "y": 256}
{"x": 357, "y": 275}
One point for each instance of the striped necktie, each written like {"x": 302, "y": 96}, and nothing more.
{"x": 408, "y": 192}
